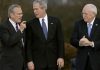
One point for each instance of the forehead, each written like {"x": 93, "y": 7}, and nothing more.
{"x": 36, "y": 5}
{"x": 87, "y": 10}
{"x": 17, "y": 10}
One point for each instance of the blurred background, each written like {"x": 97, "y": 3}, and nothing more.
{"x": 68, "y": 11}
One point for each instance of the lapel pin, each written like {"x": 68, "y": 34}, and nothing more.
{"x": 51, "y": 23}
{"x": 96, "y": 24}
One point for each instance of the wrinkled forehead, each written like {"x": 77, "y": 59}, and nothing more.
{"x": 17, "y": 9}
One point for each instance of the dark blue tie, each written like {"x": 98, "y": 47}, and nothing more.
{"x": 44, "y": 28}
{"x": 17, "y": 27}
{"x": 89, "y": 29}
{"x": 22, "y": 42}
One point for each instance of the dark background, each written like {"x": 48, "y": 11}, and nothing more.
{"x": 68, "y": 11}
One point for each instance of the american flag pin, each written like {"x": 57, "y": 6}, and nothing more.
{"x": 96, "y": 24}
{"x": 51, "y": 23}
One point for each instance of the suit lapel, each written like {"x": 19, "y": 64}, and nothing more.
{"x": 94, "y": 27}
{"x": 84, "y": 29}
{"x": 50, "y": 23}
{"x": 11, "y": 28}
{"x": 39, "y": 28}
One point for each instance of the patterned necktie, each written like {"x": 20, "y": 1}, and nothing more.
{"x": 17, "y": 27}
{"x": 89, "y": 29}
{"x": 22, "y": 42}
{"x": 44, "y": 28}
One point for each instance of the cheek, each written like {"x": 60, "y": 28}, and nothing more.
{"x": 86, "y": 16}
{"x": 18, "y": 18}
{"x": 35, "y": 11}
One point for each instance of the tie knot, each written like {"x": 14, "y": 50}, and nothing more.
{"x": 89, "y": 24}
{"x": 43, "y": 20}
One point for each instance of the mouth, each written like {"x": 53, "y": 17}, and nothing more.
{"x": 20, "y": 18}
{"x": 36, "y": 14}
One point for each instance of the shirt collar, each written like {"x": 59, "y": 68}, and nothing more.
{"x": 12, "y": 22}
{"x": 45, "y": 18}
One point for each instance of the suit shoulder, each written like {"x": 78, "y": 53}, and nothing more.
{"x": 79, "y": 22}
{"x": 4, "y": 23}
{"x": 54, "y": 18}
{"x": 32, "y": 20}
{"x": 97, "y": 19}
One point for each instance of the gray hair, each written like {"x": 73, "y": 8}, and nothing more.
{"x": 11, "y": 8}
{"x": 91, "y": 7}
{"x": 43, "y": 3}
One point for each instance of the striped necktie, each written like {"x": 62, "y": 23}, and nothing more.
{"x": 17, "y": 27}
{"x": 44, "y": 28}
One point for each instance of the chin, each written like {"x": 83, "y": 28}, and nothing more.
{"x": 85, "y": 20}
{"x": 37, "y": 17}
{"x": 18, "y": 21}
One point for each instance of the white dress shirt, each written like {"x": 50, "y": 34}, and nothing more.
{"x": 13, "y": 23}
{"x": 92, "y": 43}
{"x": 45, "y": 20}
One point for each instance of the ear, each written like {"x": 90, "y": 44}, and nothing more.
{"x": 11, "y": 14}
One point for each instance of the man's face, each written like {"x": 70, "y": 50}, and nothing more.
{"x": 39, "y": 11}
{"x": 87, "y": 15}
{"x": 16, "y": 15}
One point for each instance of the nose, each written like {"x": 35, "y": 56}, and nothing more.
{"x": 22, "y": 14}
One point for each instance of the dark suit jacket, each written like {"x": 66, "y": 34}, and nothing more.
{"x": 41, "y": 51}
{"x": 1, "y": 49}
{"x": 83, "y": 52}
{"x": 12, "y": 58}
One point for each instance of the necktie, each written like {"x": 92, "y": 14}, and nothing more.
{"x": 22, "y": 42}
{"x": 89, "y": 29}
{"x": 17, "y": 27}
{"x": 44, "y": 28}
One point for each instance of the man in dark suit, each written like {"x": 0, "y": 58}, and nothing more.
{"x": 11, "y": 34}
{"x": 86, "y": 38}
{"x": 44, "y": 40}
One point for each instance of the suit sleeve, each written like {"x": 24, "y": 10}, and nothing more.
{"x": 60, "y": 40}
{"x": 28, "y": 43}
{"x": 9, "y": 40}
{"x": 74, "y": 38}
{"x": 96, "y": 45}
{"x": 96, "y": 39}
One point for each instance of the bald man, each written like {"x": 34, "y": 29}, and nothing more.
{"x": 86, "y": 38}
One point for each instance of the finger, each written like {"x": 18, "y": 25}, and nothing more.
{"x": 24, "y": 22}
{"x": 57, "y": 63}
{"x": 60, "y": 65}
{"x": 84, "y": 36}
